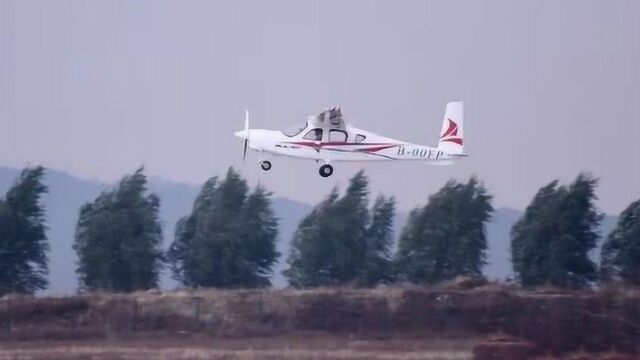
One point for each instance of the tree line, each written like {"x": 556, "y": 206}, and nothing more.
{"x": 229, "y": 238}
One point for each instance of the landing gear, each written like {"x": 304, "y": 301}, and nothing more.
{"x": 265, "y": 165}
{"x": 326, "y": 170}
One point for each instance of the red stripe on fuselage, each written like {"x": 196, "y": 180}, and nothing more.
{"x": 376, "y": 148}
{"x": 318, "y": 146}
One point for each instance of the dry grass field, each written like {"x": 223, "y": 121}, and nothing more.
{"x": 486, "y": 322}
{"x": 279, "y": 347}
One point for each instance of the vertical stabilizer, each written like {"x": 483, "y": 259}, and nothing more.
{"x": 452, "y": 132}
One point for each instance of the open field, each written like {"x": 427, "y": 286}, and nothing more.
{"x": 279, "y": 347}
{"x": 390, "y": 323}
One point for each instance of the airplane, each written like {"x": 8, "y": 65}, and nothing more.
{"x": 327, "y": 138}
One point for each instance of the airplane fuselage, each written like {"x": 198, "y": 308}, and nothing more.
{"x": 372, "y": 148}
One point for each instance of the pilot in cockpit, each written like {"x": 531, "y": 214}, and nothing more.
{"x": 317, "y": 134}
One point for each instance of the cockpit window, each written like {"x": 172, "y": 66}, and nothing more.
{"x": 314, "y": 134}
{"x": 294, "y": 130}
{"x": 360, "y": 138}
{"x": 337, "y": 136}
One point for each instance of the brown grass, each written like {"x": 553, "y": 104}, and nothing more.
{"x": 289, "y": 347}
{"x": 554, "y": 321}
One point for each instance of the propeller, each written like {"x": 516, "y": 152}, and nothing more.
{"x": 246, "y": 139}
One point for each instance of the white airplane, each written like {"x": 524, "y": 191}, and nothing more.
{"x": 328, "y": 138}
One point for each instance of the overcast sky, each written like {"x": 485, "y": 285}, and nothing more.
{"x": 551, "y": 88}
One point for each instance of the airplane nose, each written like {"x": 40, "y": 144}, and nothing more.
{"x": 241, "y": 134}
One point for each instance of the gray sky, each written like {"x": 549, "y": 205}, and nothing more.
{"x": 96, "y": 88}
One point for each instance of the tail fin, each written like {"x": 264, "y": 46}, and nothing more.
{"x": 452, "y": 133}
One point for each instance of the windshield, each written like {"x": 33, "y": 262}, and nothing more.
{"x": 294, "y": 130}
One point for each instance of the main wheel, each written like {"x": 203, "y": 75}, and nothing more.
{"x": 326, "y": 170}
{"x": 265, "y": 165}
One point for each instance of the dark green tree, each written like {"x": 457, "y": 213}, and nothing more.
{"x": 446, "y": 237}
{"x": 531, "y": 236}
{"x": 621, "y": 251}
{"x": 341, "y": 242}
{"x": 23, "y": 240}
{"x": 229, "y": 238}
{"x": 379, "y": 240}
{"x": 119, "y": 238}
{"x": 257, "y": 233}
{"x": 184, "y": 258}
{"x": 312, "y": 249}
{"x": 350, "y": 221}
{"x": 550, "y": 244}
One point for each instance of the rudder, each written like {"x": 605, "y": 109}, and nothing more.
{"x": 452, "y": 132}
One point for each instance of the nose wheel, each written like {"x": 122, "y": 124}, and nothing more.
{"x": 265, "y": 165}
{"x": 326, "y": 170}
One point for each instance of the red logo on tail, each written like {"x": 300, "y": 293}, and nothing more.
{"x": 451, "y": 135}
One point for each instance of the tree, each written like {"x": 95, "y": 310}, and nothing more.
{"x": 258, "y": 230}
{"x": 531, "y": 236}
{"x": 350, "y": 221}
{"x": 229, "y": 238}
{"x": 379, "y": 239}
{"x": 550, "y": 244}
{"x": 23, "y": 240}
{"x": 118, "y": 238}
{"x": 621, "y": 251}
{"x": 446, "y": 237}
{"x": 312, "y": 249}
{"x": 182, "y": 255}
{"x": 341, "y": 242}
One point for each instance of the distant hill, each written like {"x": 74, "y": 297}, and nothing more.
{"x": 67, "y": 193}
